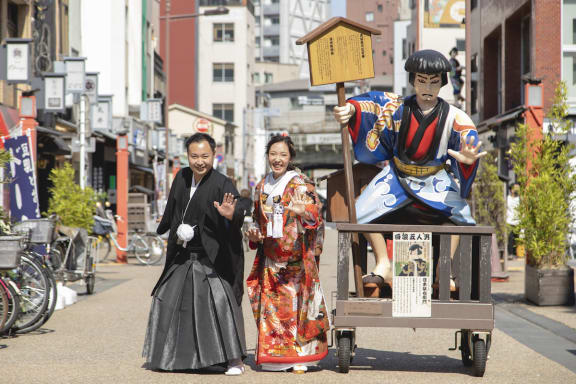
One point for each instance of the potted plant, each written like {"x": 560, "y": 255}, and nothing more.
{"x": 488, "y": 203}
{"x": 489, "y": 208}
{"x": 547, "y": 185}
{"x": 74, "y": 206}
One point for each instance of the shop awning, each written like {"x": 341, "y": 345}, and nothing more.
{"x": 107, "y": 135}
{"x": 142, "y": 168}
{"x": 51, "y": 141}
{"x": 139, "y": 188}
{"x": 511, "y": 114}
{"x": 8, "y": 119}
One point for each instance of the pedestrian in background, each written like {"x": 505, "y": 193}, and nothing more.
{"x": 512, "y": 202}
{"x": 284, "y": 286}
{"x": 196, "y": 318}
{"x": 456, "y": 77}
{"x": 245, "y": 202}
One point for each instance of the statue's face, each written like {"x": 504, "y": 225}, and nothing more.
{"x": 427, "y": 86}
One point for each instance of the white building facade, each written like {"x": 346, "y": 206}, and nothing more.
{"x": 279, "y": 23}
{"x": 225, "y": 85}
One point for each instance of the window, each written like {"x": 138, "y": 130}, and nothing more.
{"x": 223, "y": 111}
{"x": 268, "y": 77}
{"x": 223, "y": 72}
{"x": 384, "y": 52}
{"x": 573, "y": 31}
{"x": 461, "y": 45}
{"x": 275, "y": 20}
{"x": 257, "y": 41}
{"x": 256, "y": 77}
{"x": 295, "y": 103}
{"x": 223, "y": 32}
{"x": 272, "y": 41}
{"x": 404, "y": 49}
{"x": 380, "y": 8}
{"x": 369, "y": 16}
{"x": 13, "y": 25}
{"x": 525, "y": 45}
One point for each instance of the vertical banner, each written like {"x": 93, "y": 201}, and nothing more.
{"x": 23, "y": 189}
{"x": 159, "y": 177}
{"x": 412, "y": 272}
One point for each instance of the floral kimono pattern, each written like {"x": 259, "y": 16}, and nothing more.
{"x": 284, "y": 287}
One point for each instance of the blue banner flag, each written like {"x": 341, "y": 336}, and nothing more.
{"x": 23, "y": 189}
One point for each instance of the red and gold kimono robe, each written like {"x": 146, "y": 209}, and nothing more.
{"x": 284, "y": 287}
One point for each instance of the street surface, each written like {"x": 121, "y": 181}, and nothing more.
{"x": 99, "y": 340}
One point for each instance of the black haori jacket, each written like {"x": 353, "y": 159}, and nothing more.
{"x": 220, "y": 238}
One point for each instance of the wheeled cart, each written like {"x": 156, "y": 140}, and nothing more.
{"x": 471, "y": 312}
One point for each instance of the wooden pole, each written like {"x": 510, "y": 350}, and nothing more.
{"x": 341, "y": 91}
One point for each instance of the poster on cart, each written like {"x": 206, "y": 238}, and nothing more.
{"x": 412, "y": 274}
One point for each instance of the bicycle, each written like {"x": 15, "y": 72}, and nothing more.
{"x": 147, "y": 247}
{"x": 9, "y": 304}
{"x": 37, "y": 281}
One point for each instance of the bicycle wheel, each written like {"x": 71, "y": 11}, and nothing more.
{"x": 149, "y": 249}
{"x": 52, "y": 294}
{"x": 34, "y": 293}
{"x": 4, "y": 305}
{"x": 52, "y": 298}
{"x": 13, "y": 305}
{"x": 104, "y": 248}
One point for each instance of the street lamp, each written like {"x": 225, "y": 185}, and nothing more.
{"x": 54, "y": 92}
{"x": 17, "y": 60}
{"x": 167, "y": 18}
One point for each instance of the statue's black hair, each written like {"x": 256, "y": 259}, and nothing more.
{"x": 427, "y": 61}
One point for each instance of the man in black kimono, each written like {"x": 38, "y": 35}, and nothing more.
{"x": 196, "y": 319}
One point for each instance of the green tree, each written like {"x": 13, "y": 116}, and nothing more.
{"x": 488, "y": 197}
{"x": 547, "y": 186}
{"x": 4, "y": 219}
{"x": 75, "y": 207}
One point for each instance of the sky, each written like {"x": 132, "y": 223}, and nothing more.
{"x": 338, "y": 8}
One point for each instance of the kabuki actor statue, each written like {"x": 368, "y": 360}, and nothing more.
{"x": 429, "y": 151}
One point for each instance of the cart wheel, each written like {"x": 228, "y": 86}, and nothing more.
{"x": 465, "y": 348}
{"x": 479, "y": 358}
{"x": 344, "y": 352}
{"x": 90, "y": 281}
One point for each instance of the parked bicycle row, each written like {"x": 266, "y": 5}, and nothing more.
{"x": 37, "y": 254}
{"x": 148, "y": 248}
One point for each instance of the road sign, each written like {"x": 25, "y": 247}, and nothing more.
{"x": 91, "y": 87}
{"x": 203, "y": 125}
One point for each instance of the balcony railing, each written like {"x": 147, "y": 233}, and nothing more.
{"x": 272, "y": 30}
{"x": 271, "y": 9}
{"x": 273, "y": 50}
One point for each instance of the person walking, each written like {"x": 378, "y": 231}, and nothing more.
{"x": 283, "y": 286}
{"x": 456, "y": 78}
{"x": 512, "y": 202}
{"x": 196, "y": 319}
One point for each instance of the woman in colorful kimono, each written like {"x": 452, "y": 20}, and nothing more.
{"x": 283, "y": 286}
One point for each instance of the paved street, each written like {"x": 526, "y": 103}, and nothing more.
{"x": 99, "y": 340}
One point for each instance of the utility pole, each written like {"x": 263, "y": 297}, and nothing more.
{"x": 166, "y": 98}
{"x": 82, "y": 142}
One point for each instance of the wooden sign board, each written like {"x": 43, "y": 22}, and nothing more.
{"x": 339, "y": 50}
